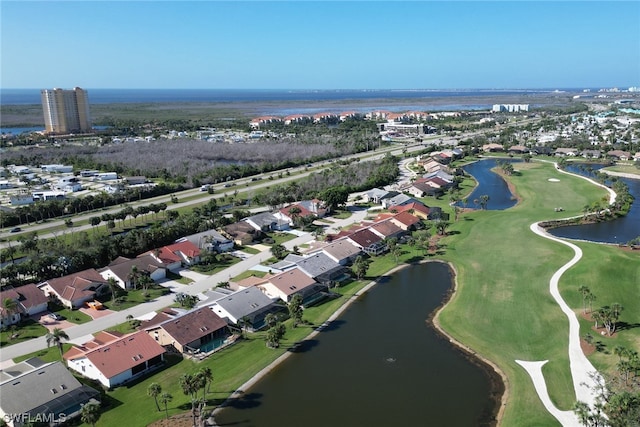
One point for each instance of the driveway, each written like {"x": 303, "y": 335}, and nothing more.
{"x": 192, "y": 275}
{"x": 96, "y": 314}
{"x": 44, "y": 319}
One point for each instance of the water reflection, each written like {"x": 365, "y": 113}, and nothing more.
{"x": 620, "y": 230}
{"x": 383, "y": 366}
{"x": 490, "y": 184}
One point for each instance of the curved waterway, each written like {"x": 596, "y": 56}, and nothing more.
{"x": 619, "y": 230}
{"x": 379, "y": 364}
{"x": 490, "y": 184}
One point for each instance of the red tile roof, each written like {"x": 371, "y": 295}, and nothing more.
{"x": 406, "y": 219}
{"x": 416, "y": 207}
{"x": 120, "y": 354}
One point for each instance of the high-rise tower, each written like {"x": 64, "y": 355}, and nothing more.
{"x": 66, "y": 111}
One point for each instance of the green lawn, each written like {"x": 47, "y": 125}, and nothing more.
{"x": 624, "y": 168}
{"x": 49, "y": 354}
{"x": 134, "y": 297}
{"x": 25, "y": 331}
{"x": 130, "y": 405}
{"x": 280, "y": 238}
{"x": 73, "y": 316}
{"x": 341, "y": 214}
{"x": 220, "y": 265}
{"x": 503, "y": 309}
{"x": 248, "y": 273}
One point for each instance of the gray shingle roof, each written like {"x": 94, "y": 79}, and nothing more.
{"x": 246, "y": 302}
{"x": 318, "y": 264}
{"x": 28, "y": 388}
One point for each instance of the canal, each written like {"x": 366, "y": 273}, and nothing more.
{"x": 379, "y": 364}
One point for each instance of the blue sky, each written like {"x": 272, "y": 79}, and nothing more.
{"x": 319, "y": 45}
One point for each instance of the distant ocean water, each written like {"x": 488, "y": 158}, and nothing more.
{"x": 109, "y": 96}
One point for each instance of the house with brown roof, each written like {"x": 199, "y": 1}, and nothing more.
{"x": 518, "y": 149}
{"x": 242, "y": 233}
{"x": 121, "y": 270}
{"x": 619, "y": 155}
{"x": 113, "y": 359}
{"x": 341, "y": 251}
{"x": 492, "y": 147}
{"x": 29, "y": 300}
{"x": 368, "y": 241}
{"x": 387, "y": 229}
{"x": 199, "y": 330}
{"x": 75, "y": 289}
{"x": 289, "y": 283}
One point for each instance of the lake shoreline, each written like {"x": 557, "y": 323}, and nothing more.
{"x": 497, "y": 380}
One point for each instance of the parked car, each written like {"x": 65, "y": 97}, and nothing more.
{"x": 16, "y": 230}
{"x": 55, "y": 316}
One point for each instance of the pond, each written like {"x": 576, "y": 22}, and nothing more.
{"x": 379, "y": 364}
{"x": 620, "y": 230}
{"x": 490, "y": 184}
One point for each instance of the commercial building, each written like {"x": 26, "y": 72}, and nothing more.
{"x": 66, "y": 111}
{"x": 511, "y": 108}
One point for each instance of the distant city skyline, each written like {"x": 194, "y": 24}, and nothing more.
{"x": 319, "y": 45}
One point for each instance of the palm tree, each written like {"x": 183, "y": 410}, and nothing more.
{"x": 590, "y": 298}
{"x": 190, "y": 385}
{"x": 295, "y": 309}
{"x": 56, "y": 337}
{"x": 207, "y": 376}
{"x": 484, "y": 199}
{"x": 10, "y": 307}
{"x": 113, "y": 287}
{"x": 165, "y": 398}
{"x": 90, "y": 413}
{"x": 584, "y": 291}
{"x": 294, "y": 214}
{"x": 360, "y": 267}
{"x": 154, "y": 390}
{"x": 581, "y": 409}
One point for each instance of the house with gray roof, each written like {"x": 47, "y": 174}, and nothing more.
{"x": 35, "y": 391}
{"x": 399, "y": 200}
{"x": 375, "y": 195}
{"x": 266, "y": 221}
{"x": 247, "y": 308}
{"x": 320, "y": 267}
{"x": 120, "y": 269}
{"x": 211, "y": 240}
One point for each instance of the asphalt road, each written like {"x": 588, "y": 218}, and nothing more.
{"x": 81, "y": 333}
